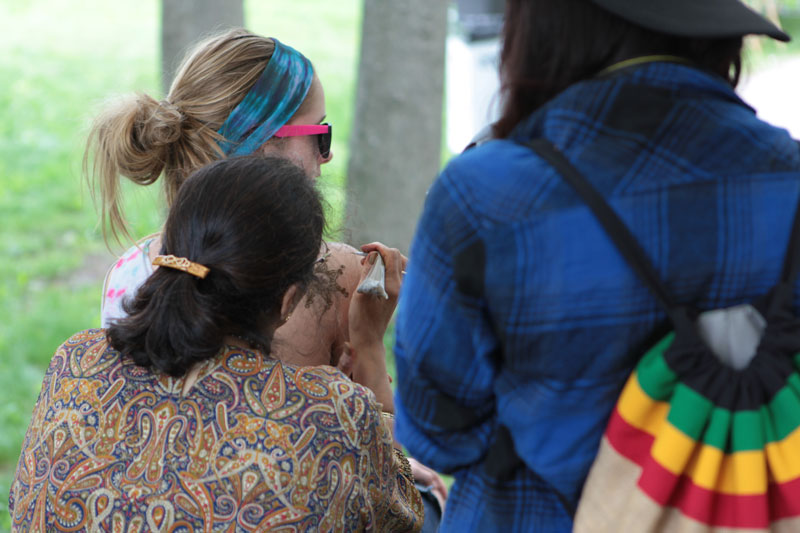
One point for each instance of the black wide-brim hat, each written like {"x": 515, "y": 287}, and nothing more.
{"x": 694, "y": 18}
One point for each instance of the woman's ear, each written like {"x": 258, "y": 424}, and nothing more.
{"x": 290, "y": 300}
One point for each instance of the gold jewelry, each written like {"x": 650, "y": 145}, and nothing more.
{"x": 387, "y": 415}
{"x": 181, "y": 263}
{"x": 286, "y": 318}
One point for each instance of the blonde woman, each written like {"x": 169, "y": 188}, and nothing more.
{"x": 235, "y": 94}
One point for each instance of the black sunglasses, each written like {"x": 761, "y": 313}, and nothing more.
{"x": 324, "y": 133}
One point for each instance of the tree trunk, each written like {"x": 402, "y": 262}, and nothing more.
{"x": 395, "y": 147}
{"x": 184, "y": 22}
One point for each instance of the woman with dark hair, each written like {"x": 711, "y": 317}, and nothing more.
{"x": 177, "y": 418}
{"x": 519, "y": 321}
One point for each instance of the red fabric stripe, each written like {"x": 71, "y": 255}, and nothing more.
{"x": 631, "y": 442}
{"x": 784, "y": 499}
{"x": 706, "y": 506}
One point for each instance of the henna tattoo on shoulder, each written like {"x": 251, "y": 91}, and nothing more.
{"x": 325, "y": 285}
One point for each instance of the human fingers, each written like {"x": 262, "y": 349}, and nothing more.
{"x": 428, "y": 477}
{"x": 372, "y": 277}
{"x": 439, "y": 488}
{"x": 394, "y": 263}
{"x": 390, "y": 255}
{"x": 422, "y": 474}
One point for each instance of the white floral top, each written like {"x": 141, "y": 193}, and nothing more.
{"x": 124, "y": 278}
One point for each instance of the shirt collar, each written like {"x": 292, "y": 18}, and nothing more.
{"x": 683, "y": 80}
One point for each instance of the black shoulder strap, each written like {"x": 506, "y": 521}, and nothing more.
{"x": 616, "y": 229}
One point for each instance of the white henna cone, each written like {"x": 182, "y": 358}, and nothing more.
{"x": 375, "y": 282}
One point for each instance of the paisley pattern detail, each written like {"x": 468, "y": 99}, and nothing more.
{"x": 255, "y": 445}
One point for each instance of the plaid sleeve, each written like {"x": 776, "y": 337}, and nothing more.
{"x": 444, "y": 345}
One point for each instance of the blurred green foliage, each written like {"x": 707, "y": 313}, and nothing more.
{"x": 59, "y": 60}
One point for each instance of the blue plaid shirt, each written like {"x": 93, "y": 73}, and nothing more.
{"x": 519, "y": 321}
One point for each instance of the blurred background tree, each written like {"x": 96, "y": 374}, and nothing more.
{"x": 182, "y": 21}
{"x": 396, "y": 143}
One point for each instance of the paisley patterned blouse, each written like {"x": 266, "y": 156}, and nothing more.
{"x": 255, "y": 445}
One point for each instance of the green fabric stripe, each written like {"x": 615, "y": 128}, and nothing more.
{"x": 748, "y": 432}
{"x": 695, "y": 416}
{"x": 784, "y": 410}
{"x": 689, "y": 411}
{"x": 656, "y": 377}
{"x": 719, "y": 426}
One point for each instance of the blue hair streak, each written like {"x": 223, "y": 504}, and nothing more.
{"x": 270, "y": 103}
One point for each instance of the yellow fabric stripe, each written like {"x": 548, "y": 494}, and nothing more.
{"x": 737, "y": 473}
{"x": 784, "y": 457}
{"x": 640, "y": 410}
{"x": 744, "y": 472}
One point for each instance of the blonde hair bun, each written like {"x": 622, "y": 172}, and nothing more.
{"x": 136, "y": 134}
{"x": 139, "y": 138}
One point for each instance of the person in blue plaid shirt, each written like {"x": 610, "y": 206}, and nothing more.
{"x": 519, "y": 321}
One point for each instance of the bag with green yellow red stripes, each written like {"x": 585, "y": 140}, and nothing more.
{"x": 705, "y": 435}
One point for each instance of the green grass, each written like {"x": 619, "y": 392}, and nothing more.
{"x": 58, "y": 61}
